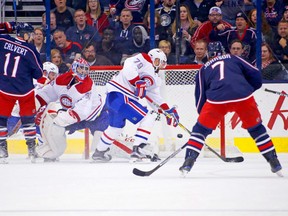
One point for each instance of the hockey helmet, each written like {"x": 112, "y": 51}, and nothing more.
{"x": 215, "y": 49}
{"x": 158, "y": 54}
{"x": 24, "y": 28}
{"x": 81, "y": 68}
{"x": 49, "y": 67}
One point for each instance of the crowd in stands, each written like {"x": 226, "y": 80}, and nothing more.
{"x": 106, "y": 32}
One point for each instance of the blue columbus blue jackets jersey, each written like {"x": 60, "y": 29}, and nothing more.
{"x": 19, "y": 64}
{"x": 225, "y": 79}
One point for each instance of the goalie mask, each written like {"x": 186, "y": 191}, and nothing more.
{"x": 159, "y": 59}
{"x": 215, "y": 49}
{"x": 81, "y": 68}
{"x": 49, "y": 68}
{"x": 24, "y": 30}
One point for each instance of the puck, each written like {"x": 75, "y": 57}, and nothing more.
{"x": 179, "y": 135}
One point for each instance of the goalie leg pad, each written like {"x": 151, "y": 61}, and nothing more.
{"x": 53, "y": 136}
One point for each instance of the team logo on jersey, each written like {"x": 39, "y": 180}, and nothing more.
{"x": 66, "y": 101}
{"x": 165, "y": 19}
{"x": 134, "y": 5}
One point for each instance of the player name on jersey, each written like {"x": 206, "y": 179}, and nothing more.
{"x": 15, "y": 48}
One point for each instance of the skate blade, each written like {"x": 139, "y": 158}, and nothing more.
{"x": 184, "y": 173}
{"x": 3, "y": 161}
{"x": 279, "y": 174}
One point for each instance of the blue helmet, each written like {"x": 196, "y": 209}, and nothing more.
{"x": 81, "y": 68}
{"x": 24, "y": 28}
{"x": 215, "y": 49}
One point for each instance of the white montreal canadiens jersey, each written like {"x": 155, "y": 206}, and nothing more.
{"x": 81, "y": 97}
{"x": 138, "y": 65}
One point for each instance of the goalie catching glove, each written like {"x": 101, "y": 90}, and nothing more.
{"x": 173, "y": 117}
{"x": 140, "y": 90}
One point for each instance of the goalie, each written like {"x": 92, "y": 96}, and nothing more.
{"x": 78, "y": 100}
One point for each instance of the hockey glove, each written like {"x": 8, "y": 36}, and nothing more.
{"x": 7, "y": 27}
{"x": 39, "y": 115}
{"x": 173, "y": 118}
{"x": 140, "y": 90}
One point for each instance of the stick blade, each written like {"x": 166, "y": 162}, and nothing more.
{"x": 235, "y": 159}
{"x": 141, "y": 173}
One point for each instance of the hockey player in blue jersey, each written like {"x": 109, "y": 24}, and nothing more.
{"x": 20, "y": 63}
{"x": 226, "y": 83}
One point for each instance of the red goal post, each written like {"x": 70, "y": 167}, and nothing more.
{"x": 177, "y": 89}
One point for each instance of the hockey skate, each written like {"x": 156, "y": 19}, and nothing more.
{"x": 275, "y": 166}
{"x": 32, "y": 155}
{"x": 51, "y": 160}
{"x": 100, "y": 156}
{"x": 138, "y": 155}
{"x": 187, "y": 166}
{"x": 3, "y": 153}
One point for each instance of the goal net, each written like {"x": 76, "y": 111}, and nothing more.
{"x": 177, "y": 89}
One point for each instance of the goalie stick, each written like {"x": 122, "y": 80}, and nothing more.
{"x": 148, "y": 173}
{"x": 276, "y": 92}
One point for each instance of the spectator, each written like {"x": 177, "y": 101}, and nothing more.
{"x": 108, "y": 46}
{"x": 200, "y": 51}
{"x": 199, "y": 9}
{"x": 90, "y": 55}
{"x": 64, "y": 14}
{"x": 81, "y": 32}
{"x": 279, "y": 44}
{"x": 160, "y": 32}
{"x": 140, "y": 43}
{"x": 215, "y": 22}
{"x": 69, "y": 50}
{"x": 95, "y": 17}
{"x": 123, "y": 33}
{"x": 243, "y": 32}
{"x": 267, "y": 33}
{"x": 188, "y": 27}
{"x": 38, "y": 41}
{"x": 273, "y": 10}
{"x": 58, "y": 61}
{"x": 167, "y": 12}
{"x": 165, "y": 46}
{"x": 138, "y": 8}
{"x": 285, "y": 14}
{"x": 271, "y": 69}
{"x": 236, "y": 47}
{"x": 53, "y": 27}
{"x": 230, "y": 8}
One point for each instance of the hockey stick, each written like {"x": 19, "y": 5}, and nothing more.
{"x": 276, "y": 92}
{"x": 16, "y": 128}
{"x": 15, "y": 11}
{"x": 225, "y": 159}
{"x": 148, "y": 173}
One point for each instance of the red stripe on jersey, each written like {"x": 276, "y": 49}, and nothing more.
{"x": 134, "y": 80}
{"x": 146, "y": 57}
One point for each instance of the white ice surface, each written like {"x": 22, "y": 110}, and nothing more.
{"x": 75, "y": 186}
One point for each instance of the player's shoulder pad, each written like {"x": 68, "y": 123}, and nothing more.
{"x": 146, "y": 57}
{"x": 64, "y": 79}
{"x": 85, "y": 85}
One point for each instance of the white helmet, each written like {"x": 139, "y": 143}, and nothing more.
{"x": 50, "y": 67}
{"x": 158, "y": 54}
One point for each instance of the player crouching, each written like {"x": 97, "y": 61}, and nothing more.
{"x": 78, "y": 100}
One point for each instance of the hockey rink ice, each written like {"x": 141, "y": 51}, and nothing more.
{"x": 75, "y": 186}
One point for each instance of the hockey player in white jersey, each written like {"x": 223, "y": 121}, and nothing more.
{"x": 138, "y": 78}
{"x": 79, "y": 101}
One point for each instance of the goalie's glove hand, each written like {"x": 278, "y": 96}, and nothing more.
{"x": 173, "y": 117}
{"x": 140, "y": 90}
{"x": 39, "y": 115}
